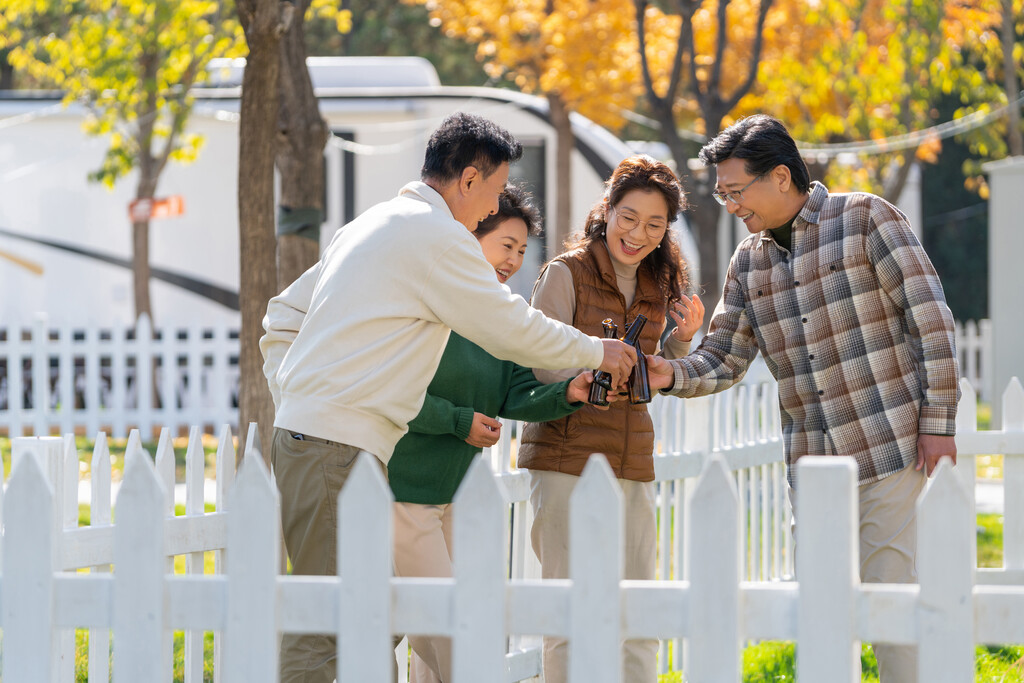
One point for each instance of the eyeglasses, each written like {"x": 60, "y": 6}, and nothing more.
{"x": 627, "y": 222}
{"x": 736, "y": 196}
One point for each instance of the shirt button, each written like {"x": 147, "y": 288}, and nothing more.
{"x": 803, "y": 320}
{"x": 821, "y": 392}
{"x": 810, "y": 357}
{"x": 796, "y": 282}
{"x": 824, "y": 431}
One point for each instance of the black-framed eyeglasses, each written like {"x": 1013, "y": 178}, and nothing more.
{"x": 735, "y": 196}
{"x": 627, "y": 222}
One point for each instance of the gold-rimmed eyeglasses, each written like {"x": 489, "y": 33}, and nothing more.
{"x": 627, "y": 221}
{"x": 735, "y": 196}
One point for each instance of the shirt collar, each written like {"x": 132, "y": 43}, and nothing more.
{"x": 418, "y": 189}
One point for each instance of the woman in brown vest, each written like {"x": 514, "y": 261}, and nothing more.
{"x": 625, "y": 263}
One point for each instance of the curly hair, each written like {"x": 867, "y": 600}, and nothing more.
{"x": 642, "y": 172}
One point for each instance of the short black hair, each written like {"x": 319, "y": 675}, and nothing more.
{"x": 763, "y": 143}
{"x": 513, "y": 202}
{"x": 467, "y": 140}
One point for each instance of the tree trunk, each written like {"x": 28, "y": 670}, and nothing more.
{"x": 261, "y": 20}
{"x": 140, "y": 267}
{"x": 302, "y": 134}
{"x": 564, "y": 142}
{"x": 1014, "y": 140}
{"x": 704, "y": 211}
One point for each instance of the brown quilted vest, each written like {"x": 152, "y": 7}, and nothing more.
{"x": 624, "y": 433}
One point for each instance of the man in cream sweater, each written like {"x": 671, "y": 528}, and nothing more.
{"x": 351, "y": 346}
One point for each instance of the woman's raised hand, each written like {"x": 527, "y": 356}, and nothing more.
{"x": 689, "y": 316}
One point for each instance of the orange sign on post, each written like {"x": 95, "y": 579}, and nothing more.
{"x": 157, "y": 207}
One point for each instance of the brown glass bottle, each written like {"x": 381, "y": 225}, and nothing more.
{"x": 639, "y": 383}
{"x": 602, "y": 380}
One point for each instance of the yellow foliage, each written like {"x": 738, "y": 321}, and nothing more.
{"x": 582, "y": 50}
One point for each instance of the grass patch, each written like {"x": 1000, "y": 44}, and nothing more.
{"x": 85, "y": 445}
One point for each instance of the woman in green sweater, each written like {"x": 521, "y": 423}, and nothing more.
{"x": 470, "y": 388}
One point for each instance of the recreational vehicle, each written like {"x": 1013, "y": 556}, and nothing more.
{"x": 66, "y": 244}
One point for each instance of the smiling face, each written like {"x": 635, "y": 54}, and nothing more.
{"x": 763, "y": 205}
{"x": 636, "y": 225}
{"x": 505, "y": 246}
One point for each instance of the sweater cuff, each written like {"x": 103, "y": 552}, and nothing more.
{"x": 463, "y": 422}
{"x": 937, "y": 420}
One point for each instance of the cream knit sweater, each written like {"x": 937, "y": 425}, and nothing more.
{"x": 351, "y": 346}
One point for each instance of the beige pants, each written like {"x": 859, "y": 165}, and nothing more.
{"x": 423, "y": 547}
{"x": 888, "y": 553}
{"x": 310, "y": 474}
{"x": 549, "y": 496}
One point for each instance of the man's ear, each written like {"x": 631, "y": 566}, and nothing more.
{"x": 782, "y": 177}
{"x": 470, "y": 175}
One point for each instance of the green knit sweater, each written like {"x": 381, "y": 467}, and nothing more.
{"x": 430, "y": 461}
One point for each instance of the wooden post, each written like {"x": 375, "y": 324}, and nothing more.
{"x": 1013, "y": 480}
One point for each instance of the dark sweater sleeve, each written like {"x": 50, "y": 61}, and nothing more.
{"x": 441, "y": 416}
{"x": 533, "y": 401}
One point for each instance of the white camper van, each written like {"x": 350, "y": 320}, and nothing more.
{"x": 66, "y": 244}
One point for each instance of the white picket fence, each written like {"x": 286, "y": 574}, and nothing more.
{"x": 86, "y": 379}
{"x": 75, "y": 379}
{"x": 715, "y": 592}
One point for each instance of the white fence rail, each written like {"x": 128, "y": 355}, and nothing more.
{"x": 86, "y": 379}
{"x": 713, "y": 592}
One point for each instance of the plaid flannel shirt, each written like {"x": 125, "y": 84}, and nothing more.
{"x": 853, "y": 325}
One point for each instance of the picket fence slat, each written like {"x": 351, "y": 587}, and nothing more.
{"x": 250, "y": 647}
{"x": 946, "y": 576}
{"x": 140, "y": 563}
{"x": 195, "y": 463}
{"x": 364, "y": 564}
{"x": 27, "y": 601}
{"x": 714, "y": 571}
{"x": 478, "y": 567}
{"x": 595, "y": 531}
{"x": 827, "y": 570}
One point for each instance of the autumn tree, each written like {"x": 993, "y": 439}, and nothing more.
{"x": 131, "y": 64}
{"x": 576, "y": 53}
{"x": 698, "y": 60}
{"x": 991, "y": 34}
{"x": 382, "y": 28}
{"x": 863, "y": 78}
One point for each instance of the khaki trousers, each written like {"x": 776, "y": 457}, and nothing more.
{"x": 310, "y": 474}
{"x": 888, "y": 552}
{"x": 549, "y": 496}
{"x": 423, "y": 547}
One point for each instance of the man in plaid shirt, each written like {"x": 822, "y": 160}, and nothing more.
{"x": 839, "y": 296}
